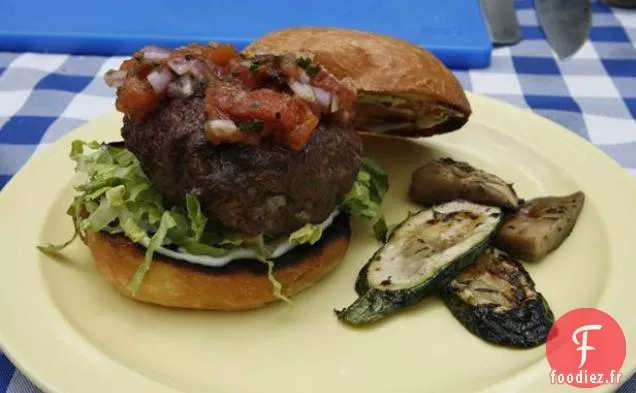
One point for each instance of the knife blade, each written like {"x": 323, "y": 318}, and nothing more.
{"x": 621, "y": 3}
{"x": 502, "y": 22}
{"x": 566, "y": 24}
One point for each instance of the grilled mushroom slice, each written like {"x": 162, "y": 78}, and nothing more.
{"x": 540, "y": 226}
{"x": 445, "y": 179}
{"x": 495, "y": 299}
{"x": 420, "y": 257}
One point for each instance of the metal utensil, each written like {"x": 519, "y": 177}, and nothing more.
{"x": 566, "y": 24}
{"x": 621, "y": 3}
{"x": 502, "y": 22}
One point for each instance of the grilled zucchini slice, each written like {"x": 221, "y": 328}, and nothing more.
{"x": 496, "y": 300}
{"x": 420, "y": 257}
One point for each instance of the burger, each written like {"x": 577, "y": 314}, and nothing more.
{"x": 237, "y": 174}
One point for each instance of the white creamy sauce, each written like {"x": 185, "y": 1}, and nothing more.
{"x": 280, "y": 249}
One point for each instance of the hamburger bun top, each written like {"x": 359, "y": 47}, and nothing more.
{"x": 388, "y": 72}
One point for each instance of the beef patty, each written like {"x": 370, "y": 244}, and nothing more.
{"x": 265, "y": 189}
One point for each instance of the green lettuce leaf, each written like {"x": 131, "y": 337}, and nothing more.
{"x": 365, "y": 197}
{"x": 101, "y": 217}
{"x": 309, "y": 233}
{"x": 157, "y": 240}
{"x": 53, "y": 248}
{"x": 197, "y": 219}
{"x": 278, "y": 289}
{"x": 130, "y": 226}
{"x": 379, "y": 179}
{"x": 117, "y": 197}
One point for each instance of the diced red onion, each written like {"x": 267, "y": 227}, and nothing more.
{"x": 335, "y": 103}
{"x": 155, "y": 54}
{"x": 303, "y": 91}
{"x": 180, "y": 66}
{"x": 198, "y": 69}
{"x": 220, "y": 127}
{"x": 115, "y": 78}
{"x": 323, "y": 97}
{"x": 183, "y": 87}
{"x": 159, "y": 78}
{"x": 303, "y": 78}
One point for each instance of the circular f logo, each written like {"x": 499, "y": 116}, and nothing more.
{"x": 586, "y": 348}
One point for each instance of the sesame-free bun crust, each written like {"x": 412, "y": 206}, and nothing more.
{"x": 376, "y": 63}
{"x": 240, "y": 285}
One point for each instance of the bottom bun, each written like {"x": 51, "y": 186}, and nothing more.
{"x": 240, "y": 285}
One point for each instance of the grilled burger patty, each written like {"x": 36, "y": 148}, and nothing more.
{"x": 262, "y": 189}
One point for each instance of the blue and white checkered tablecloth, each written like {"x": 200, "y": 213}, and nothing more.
{"x": 43, "y": 97}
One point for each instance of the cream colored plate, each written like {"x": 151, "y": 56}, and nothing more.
{"x": 70, "y": 332}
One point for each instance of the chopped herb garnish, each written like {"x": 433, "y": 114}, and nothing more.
{"x": 256, "y": 63}
{"x": 203, "y": 83}
{"x": 313, "y": 70}
{"x": 251, "y": 125}
{"x": 255, "y": 105}
{"x": 303, "y": 62}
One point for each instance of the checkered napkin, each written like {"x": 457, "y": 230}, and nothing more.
{"x": 43, "y": 97}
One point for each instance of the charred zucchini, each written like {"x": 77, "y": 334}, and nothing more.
{"x": 445, "y": 179}
{"x": 420, "y": 257}
{"x": 540, "y": 226}
{"x": 495, "y": 299}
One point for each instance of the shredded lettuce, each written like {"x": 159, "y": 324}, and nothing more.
{"x": 197, "y": 218}
{"x": 379, "y": 178}
{"x": 99, "y": 219}
{"x": 310, "y": 233}
{"x": 130, "y": 226}
{"x": 277, "y": 287}
{"x": 53, "y": 248}
{"x": 117, "y": 197}
{"x": 167, "y": 222}
{"x": 366, "y": 196}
